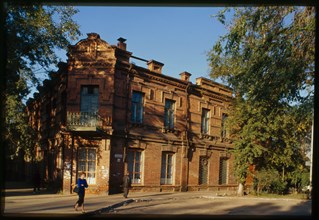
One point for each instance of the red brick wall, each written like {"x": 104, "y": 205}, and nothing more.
{"x": 94, "y": 62}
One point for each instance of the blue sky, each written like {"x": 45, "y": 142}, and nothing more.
{"x": 179, "y": 37}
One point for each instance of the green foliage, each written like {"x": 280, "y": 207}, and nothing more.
{"x": 305, "y": 181}
{"x": 33, "y": 33}
{"x": 279, "y": 186}
{"x": 270, "y": 181}
{"x": 265, "y": 54}
{"x": 267, "y": 57}
{"x": 19, "y": 135}
{"x": 264, "y": 178}
{"x": 299, "y": 179}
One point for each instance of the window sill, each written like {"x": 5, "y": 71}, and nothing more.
{"x": 207, "y": 136}
{"x": 170, "y": 130}
{"x": 137, "y": 125}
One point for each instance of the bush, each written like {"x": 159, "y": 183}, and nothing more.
{"x": 299, "y": 180}
{"x": 269, "y": 181}
{"x": 279, "y": 186}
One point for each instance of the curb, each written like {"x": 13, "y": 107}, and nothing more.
{"x": 119, "y": 204}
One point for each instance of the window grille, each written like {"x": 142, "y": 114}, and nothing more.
{"x": 203, "y": 170}
{"x": 223, "y": 165}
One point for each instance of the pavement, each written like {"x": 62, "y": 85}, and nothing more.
{"x": 22, "y": 202}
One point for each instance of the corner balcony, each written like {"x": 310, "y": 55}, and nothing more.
{"x": 88, "y": 123}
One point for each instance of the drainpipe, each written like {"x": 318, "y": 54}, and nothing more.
{"x": 71, "y": 172}
{"x": 311, "y": 157}
{"x": 187, "y": 131}
{"x": 187, "y": 114}
{"x": 127, "y": 128}
{"x": 62, "y": 161}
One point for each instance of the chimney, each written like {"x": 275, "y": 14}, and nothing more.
{"x": 155, "y": 66}
{"x": 185, "y": 76}
{"x": 93, "y": 36}
{"x": 121, "y": 43}
{"x": 199, "y": 81}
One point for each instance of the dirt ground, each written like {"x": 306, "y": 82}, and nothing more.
{"x": 218, "y": 206}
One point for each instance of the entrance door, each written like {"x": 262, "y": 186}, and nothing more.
{"x": 116, "y": 170}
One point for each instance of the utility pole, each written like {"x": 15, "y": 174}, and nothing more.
{"x": 311, "y": 152}
{"x": 315, "y": 156}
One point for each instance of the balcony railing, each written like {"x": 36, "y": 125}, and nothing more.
{"x": 87, "y": 121}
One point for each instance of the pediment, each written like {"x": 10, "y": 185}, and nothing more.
{"x": 93, "y": 48}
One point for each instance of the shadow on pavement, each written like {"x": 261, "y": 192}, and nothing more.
{"x": 26, "y": 192}
{"x": 23, "y": 189}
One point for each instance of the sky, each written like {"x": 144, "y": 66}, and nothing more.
{"x": 179, "y": 37}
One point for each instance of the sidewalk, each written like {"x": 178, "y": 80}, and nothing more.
{"x": 22, "y": 202}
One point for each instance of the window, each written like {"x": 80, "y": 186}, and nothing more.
{"x": 134, "y": 162}
{"x": 167, "y": 168}
{"x": 203, "y": 170}
{"x": 169, "y": 114}
{"x": 137, "y": 107}
{"x": 205, "y": 121}
{"x": 224, "y": 130}
{"x": 48, "y": 116}
{"x": 152, "y": 94}
{"x": 63, "y": 103}
{"x": 89, "y": 99}
{"x": 87, "y": 163}
{"x": 223, "y": 171}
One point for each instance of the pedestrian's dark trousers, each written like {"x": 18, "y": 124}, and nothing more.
{"x": 80, "y": 200}
{"x": 125, "y": 194}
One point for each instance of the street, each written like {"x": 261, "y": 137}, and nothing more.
{"x": 212, "y": 205}
{"x": 145, "y": 204}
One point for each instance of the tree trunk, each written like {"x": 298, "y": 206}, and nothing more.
{"x": 240, "y": 191}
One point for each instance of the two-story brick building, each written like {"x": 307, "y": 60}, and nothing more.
{"x": 102, "y": 114}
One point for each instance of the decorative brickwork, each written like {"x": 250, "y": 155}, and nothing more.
{"x": 86, "y": 122}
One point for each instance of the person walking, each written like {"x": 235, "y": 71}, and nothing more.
{"x": 126, "y": 184}
{"x": 82, "y": 184}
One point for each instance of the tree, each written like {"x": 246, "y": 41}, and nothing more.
{"x": 32, "y": 34}
{"x": 267, "y": 57}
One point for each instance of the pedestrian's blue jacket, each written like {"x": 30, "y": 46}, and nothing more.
{"x": 81, "y": 184}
